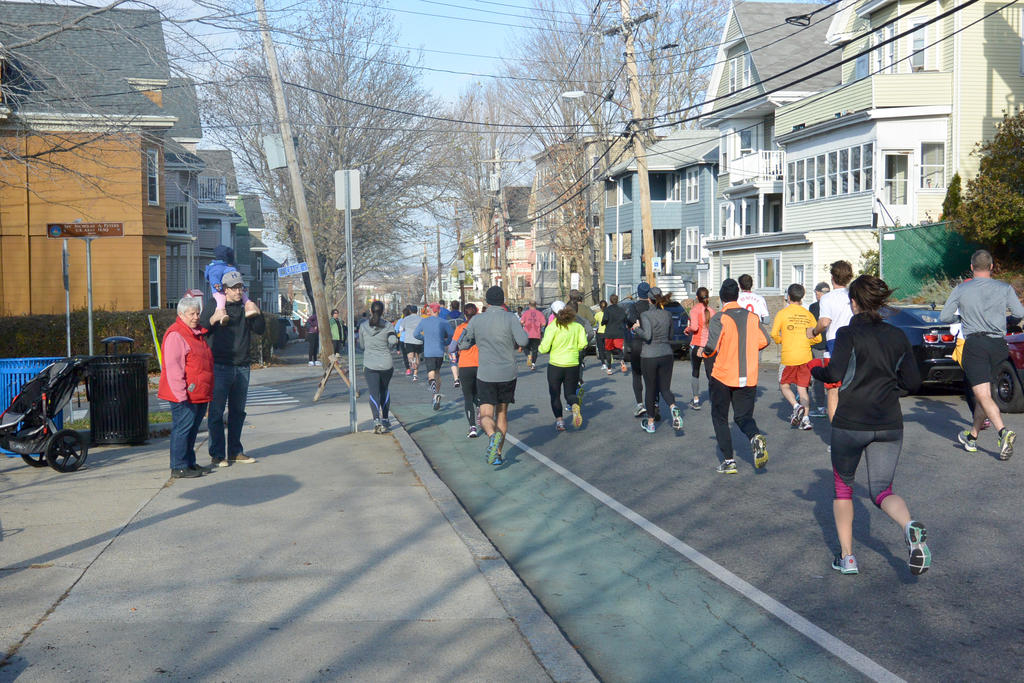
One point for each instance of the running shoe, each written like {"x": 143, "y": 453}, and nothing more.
{"x": 1006, "y": 439}
{"x": 378, "y": 428}
{"x": 533, "y": 366}
{"x": 760, "y": 447}
{"x": 457, "y": 384}
{"x": 986, "y": 424}
{"x": 640, "y": 410}
{"x": 845, "y": 565}
{"x": 579, "y": 392}
{"x": 610, "y": 371}
{"x": 415, "y": 378}
{"x": 727, "y": 467}
{"x": 624, "y": 369}
{"x": 970, "y": 443}
{"x": 604, "y": 366}
{"x": 408, "y": 372}
{"x": 920, "y": 557}
{"x": 695, "y": 403}
{"x": 472, "y": 433}
{"x": 559, "y": 425}
{"x": 677, "y": 418}
{"x": 805, "y": 424}
{"x": 437, "y": 401}
{"x": 797, "y": 415}
{"x": 577, "y": 416}
{"x": 494, "y": 448}
{"x": 647, "y": 426}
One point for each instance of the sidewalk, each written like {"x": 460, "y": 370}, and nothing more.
{"x": 335, "y": 556}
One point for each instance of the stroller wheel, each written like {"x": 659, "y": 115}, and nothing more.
{"x": 38, "y": 460}
{"x": 67, "y": 451}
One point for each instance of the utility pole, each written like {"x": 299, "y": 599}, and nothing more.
{"x": 301, "y": 210}
{"x": 440, "y": 293}
{"x": 426, "y": 277}
{"x": 627, "y": 30}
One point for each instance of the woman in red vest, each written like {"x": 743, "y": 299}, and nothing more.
{"x": 186, "y": 382}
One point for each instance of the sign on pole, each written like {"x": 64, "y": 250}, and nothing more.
{"x": 294, "y": 269}
{"x": 339, "y": 190}
{"x": 62, "y": 230}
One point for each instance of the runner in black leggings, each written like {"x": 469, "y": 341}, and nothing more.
{"x": 635, "y": 346}
{"x": 378, "y": 338}
{"x": 468, "y": 363}
{"x": 868, "y": 421}
{"x": 655, "y": 328}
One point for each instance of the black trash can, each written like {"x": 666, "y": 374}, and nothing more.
{"x": 118, "y": 392}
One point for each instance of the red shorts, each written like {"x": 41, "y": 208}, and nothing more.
{"x": 612, "y": 344}
{"x": 820, "y": 363}
{"x": 799, "y": 375}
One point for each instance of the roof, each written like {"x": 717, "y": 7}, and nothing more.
{"x": 220, "y": 163}
{"x": 180, "y": 100}
{"x": 680, "y": 149}
{"x": 782, "y": 45}
{"x": 253, "y": 212}
{"x": 175, "y": 154}
{"x": 86, "y": 66}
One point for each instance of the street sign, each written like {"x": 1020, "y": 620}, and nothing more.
{"x": 656, "y": 264}
{"x": 285, "y": 271}
{"x": 61, "y": 230}
{"x": 339, "y": 190}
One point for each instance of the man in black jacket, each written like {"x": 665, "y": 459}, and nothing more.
{"x": 818, "y": 351}
{"x": 230, "y": 342}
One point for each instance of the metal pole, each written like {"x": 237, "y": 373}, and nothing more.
{"x": 88, "y": 282}
{"x": 67, "y": 298}
{"x": 353, "y": 421}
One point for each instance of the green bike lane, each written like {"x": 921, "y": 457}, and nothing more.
{"x": 638, "y": 603}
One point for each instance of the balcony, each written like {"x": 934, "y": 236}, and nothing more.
{"x": 212, "y": 189}
{"x": 179, "y": 218}
{"x": 762, "y": 167}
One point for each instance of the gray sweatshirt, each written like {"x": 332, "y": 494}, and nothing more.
{"x": 377, "y": 343}
{"x": 496, "y": 333}
{"x": 655, "y": 330}
{"x": 982, "y": 304}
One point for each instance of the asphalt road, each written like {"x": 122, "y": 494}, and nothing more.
{"x": 640, "y": 605}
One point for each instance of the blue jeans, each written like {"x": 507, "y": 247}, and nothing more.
{"x": 185, "y": 420}
{"x": 230, "y": 389}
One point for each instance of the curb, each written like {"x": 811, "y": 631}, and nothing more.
{"x": 549, "y": 645}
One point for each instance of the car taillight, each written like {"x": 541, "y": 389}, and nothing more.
{"x": 931, "y": 337}
{"x": 948, "y": 337}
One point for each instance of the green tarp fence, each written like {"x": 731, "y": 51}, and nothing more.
{"x": 913, "y": 255}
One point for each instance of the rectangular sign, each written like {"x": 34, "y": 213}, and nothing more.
{"x": 61, "y": 230}
{"x": 339, "y": 190}
{"x": 285, "y": 271}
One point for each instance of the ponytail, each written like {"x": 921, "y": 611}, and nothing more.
{"x": 376, "y": 311}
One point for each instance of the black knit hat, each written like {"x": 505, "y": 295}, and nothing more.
{"x": 495, "y": 296}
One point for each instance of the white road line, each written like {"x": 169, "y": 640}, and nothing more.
{"x": 826, "y": 640}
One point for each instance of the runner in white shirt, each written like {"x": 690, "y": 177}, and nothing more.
{"x": 754, "y": 303}
{"x": 834, "y": 313}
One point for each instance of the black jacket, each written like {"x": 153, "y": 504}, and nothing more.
{"x": 815, "y": 310}
{"x": 230, "y": 339}
{"x": 874, "y": 361}
{"x": 614, "y": 322}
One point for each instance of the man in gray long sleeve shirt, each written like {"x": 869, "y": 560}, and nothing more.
{"x": 496, "y": 333}
{"x": 981, "y": 304}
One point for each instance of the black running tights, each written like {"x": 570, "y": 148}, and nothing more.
{"x": 467, "y": 378}
{"x": 638, "y": 375}
{"x": 561, "y": 380}
{"x": 657, "y": 373}
{"x": 380, "y": 396}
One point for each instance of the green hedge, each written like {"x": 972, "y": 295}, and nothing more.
{"x": 29, "y": 336}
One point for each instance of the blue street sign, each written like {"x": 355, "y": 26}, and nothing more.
{"x": 285, "y": 271}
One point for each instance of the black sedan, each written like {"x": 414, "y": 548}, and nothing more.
{"x": 932, "y": 341}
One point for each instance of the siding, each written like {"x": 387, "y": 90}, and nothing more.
{"x": 912, "y": 89}
{"x": 829, "y": 246}
{"x": 839, "y": 212}
{"x": 818, "y": 108}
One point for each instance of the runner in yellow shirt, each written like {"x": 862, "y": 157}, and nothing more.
{"x": 789, "y": 330}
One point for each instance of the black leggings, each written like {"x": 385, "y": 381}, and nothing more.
{"x": 562, "y": 380}
{"x": 602, "y": 354}
{"x": 405, "y": 354}
{"x": 657, "y": 373}
{"x": 638, "y": 374}
{"x": 313, "y": 341}
{"x": 470, "y": 401}
{"x": 380, "y": 397}
{"x": 531, "y": 349}
{"x": 881, "y": 451}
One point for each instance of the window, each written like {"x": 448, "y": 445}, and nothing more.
{"x": 609, "y": 247}
{"x": 833, "y": 174}
{"x": 799, "y": 181}
{"x": 867, "y": 160}
{"x": 844, "y": 168}
{"x": 748, "y": 68}
{"x": 674, "y": 189}
{"x": 692, "y": 185}
{"x": 896, "y": 165}
{"x": 821, "y": 175}
{"x": 626, "y": 190}
{"x": 723, "y": 218}
{"x": 676, "y": 246}
{"x": 693, "y": 244}
{"x": 933, "y": 165}
{"x": 259, "y": 267}
{"x": 791, "y": 182}
{"x": 809, "y": 176}
{"x": 154, "y": 282}
{"x": 917, "y": 43}
{"x": 746, "y": 141}
{"x": 659, "y": 186}
{"x": 855, "y": 181}
{"x": 153, "y": 176}
{"x": 627, "y": 245}
{"x": 860, "y": 68}
{"x": 797, "y": 278}
{"x": 767, "y": 272}
{"x": 733, "y": 74}
{"x": 884, "y": 56}
{"x": 740, "y": 72}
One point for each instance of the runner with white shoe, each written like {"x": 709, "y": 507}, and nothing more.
{"x": 654, "y": 329}
{"x": 468, "y": 363}
{"x": 789, "y": 329}
{"x": 564, "y": 340}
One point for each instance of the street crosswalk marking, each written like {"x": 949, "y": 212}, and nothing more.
{"x": 258, "y": 396}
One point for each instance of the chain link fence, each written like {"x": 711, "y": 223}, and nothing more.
{"x": 914, "y": 255}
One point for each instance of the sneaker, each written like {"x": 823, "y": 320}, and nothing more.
{"x": 1006, "y": 439}
{"x": 559, "y": 425}
{"x": 241, "y": 457}
{"x": 408, "y": 372}
{"x": 218, "y": 462}
{"x": 577, "y": 416}
{"x": 640, "y": 410}
{"x": 378, "y": 428}
{"x": 604, "y": 366}
{"x": 805, "y": 424}
{"x": 647, "y": 426}
{"x": 986, "y": 424}
{"x": 845, "y": 565}
{"x": 920, "y": 557}
{"x": 625, "y": 369}
{"x": 415, "y": 378}
{"x": 386, "y": 424}
{"x": 797, "y": 415}
{"x": 970, "y": 443}
{"x": 727, "y": 467}
{"x": 533, "y": 366}
{"x": 677, "y": 418}
{"x": 186, "y": 473}
{"x": 472, "y": 433}
{"x": 610, "y": 371}
{"x": 457, "y": 384}
{"x": 310, "y": 363}
{"x": 205, "y": 469}
{"x": 695, "y": 403}
{"x": 494, "y": 448}
{"x": 317, "y": 363}
{"x": 760, "y": 447}
{"x": 436, "y": 402}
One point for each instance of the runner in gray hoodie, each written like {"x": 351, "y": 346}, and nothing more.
{"x": 378, "y": 338}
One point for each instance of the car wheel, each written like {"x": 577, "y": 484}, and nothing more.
{"x": 1006, "y": 389}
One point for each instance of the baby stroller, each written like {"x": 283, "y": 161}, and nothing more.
{"x": 27, "y": 427}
